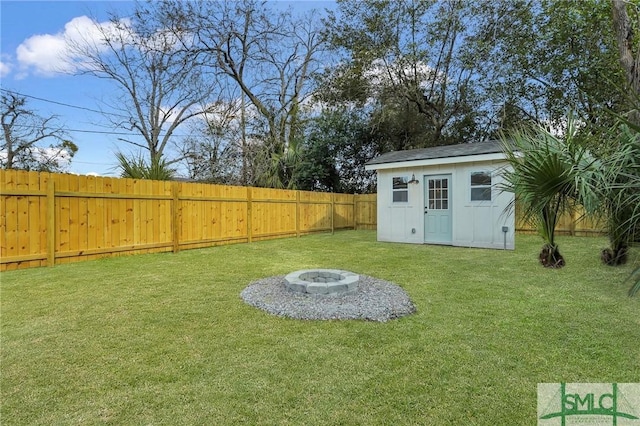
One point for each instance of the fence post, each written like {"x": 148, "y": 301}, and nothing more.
{"x": 51, "y": 221}
{"x": 355, "y": 212}
{"x": 249, "y": 214}
{"x": 175, "y": 213}
{"x": 333, "y": 208}
{"x": 298, "y": 214}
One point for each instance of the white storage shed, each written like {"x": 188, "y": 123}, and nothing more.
{"x": 445, "y": 195}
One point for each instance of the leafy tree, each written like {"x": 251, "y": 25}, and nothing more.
{"x": 555, "y": 56}
{"x": 398, "y": 123}
{"x": 338, "y": 144}
{"x": 23, "y": 134}
{"x": 446, "y": 71}
{"x": 417, "y": 64}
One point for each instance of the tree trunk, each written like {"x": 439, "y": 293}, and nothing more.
{"x": 550, "y": 257}
{"x": 617, "y": 255}
{"x": 629, "y": 59}
{"x": 9, "y": 146}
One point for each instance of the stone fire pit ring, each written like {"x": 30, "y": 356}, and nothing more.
{"x": 322, "y": 282}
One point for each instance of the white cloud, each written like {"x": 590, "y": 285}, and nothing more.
{"x": 48, "y": 54}
{"x": 5, "y": 68}
{"x": 43, "y": 53}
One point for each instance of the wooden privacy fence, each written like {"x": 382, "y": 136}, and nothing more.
{"x": 574, "y": 224}
{"x": 49, "y": 219}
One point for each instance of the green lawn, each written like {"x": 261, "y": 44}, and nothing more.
{"x": 166, "y": 339}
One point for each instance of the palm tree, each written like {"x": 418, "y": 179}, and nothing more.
{"x": 137, "y": 168}
{"x": 619, "y": 191}
{"x": 549, "y": 175}
{"x": 282, "y": 167}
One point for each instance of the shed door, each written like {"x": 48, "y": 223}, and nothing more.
{"x": 437, "y": 209}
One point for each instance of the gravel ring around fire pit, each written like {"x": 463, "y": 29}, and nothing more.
{"x": 375, "y": 300}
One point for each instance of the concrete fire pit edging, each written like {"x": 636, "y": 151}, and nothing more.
{"x": 322, "y": 282}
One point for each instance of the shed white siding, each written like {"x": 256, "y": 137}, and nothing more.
{"x": 473, "y": 223}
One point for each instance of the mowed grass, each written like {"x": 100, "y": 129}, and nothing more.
{"x": 166, "y": 339}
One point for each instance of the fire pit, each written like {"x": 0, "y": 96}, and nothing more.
{"x": 329, "y": 294}
{"x": 322, "y": 282}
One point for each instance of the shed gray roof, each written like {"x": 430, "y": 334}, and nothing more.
{"x": 460, "y": 150}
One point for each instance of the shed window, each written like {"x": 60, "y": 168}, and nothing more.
{"x": 480, "y": 186}
{"x": 400, "y": 189}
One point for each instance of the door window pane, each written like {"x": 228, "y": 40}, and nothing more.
{"x": 438, "y": 194}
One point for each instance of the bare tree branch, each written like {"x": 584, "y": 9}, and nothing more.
{"x": 22, "y": 132}
{"x": 159, "y": 88}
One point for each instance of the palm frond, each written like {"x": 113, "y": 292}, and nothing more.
{"x": 138, "y": 168}
{"x": 634, "y": 276}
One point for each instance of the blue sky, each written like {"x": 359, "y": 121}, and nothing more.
{"x": 31, "y": 32}
{"x": 21, "y": 23}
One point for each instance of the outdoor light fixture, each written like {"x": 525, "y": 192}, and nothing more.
{"x": 413, "y": 179}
